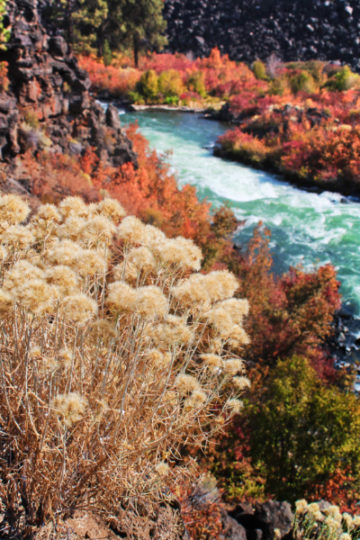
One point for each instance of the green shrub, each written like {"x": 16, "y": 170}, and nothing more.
{"x": 302, "y": 82}
{"x": 259, "y": 70}
{"x": 148, "y": 85}
{"x": 170, "y": 83}
{"x": 302, "y": 429}
{"x": 196, "y": 83}
{"x": 107, "y": 54}
{"x": 344, "y": 79}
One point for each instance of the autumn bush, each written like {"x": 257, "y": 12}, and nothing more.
{"x": 115, "y": 352}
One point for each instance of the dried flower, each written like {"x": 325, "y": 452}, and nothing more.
{"x": 64, "y": 252}
{"x": 173, "y": 331}
{"x": 121, "y": 297}
{"x": 70, "y": 407}
{"x": 46, "y": 213}
{"x": 195, "y": 400}
{"x": 157, "y": 359}
{"x": 97, "y": 230}
{"x": 150, "y": 302}
{"x": 63, "y": 277}
{"x": 344, "y": 536}
{"x": 17, "y": 236}
{"x": 221, "y": 284}
{"x": 237, "y": 308}
{"x": 37, "y": 296}
{"x": 213, "y": 361}
{"x": 233, "y": 366}
{"x": 131, "y": 230}
{"x": 241, "y": 383}
{"x": 141, "y": 259}
{"x": 72, "y": 228}
{"x": 6, "y": 301}
{"x": 301, "y": 506}
{"x": 234, "y": 405}
{"x": 90, "y": 263}
{"x": 185, "y": 384}
{"x": 178, "y": 252}
{"x": 162, "y": 468}
{"x": 78, "y": 308}
{"x": 3, "y": 253}
{"x": 192, "y": 293}
{"x": 73, "y": 206}
{"x": 111, "y": 209}
{"x": 65, "y": 357}
{"x": 13, "y": 209}
{"x": 20, "y": 273}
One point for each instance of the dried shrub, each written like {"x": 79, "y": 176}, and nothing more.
{"x": 107, "y": 329}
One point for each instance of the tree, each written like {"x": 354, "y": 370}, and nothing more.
{"x": 302, "y": 431}
{"x": 140, "y": 24}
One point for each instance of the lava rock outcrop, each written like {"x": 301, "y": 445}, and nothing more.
{"x": 249, "y": 29}
{"x": 46, "y": 101}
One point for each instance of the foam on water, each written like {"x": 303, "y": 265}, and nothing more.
{"x": 307, "y": 228}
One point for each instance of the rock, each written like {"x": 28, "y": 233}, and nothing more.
{"x": 260, "y": 523}
{"x": 232, "y": 529}
{"x": 249, "y": 29}
{"x": 274, "y": 515}
{"x": 47, "y": 90}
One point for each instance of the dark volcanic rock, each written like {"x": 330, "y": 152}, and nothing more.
{"x": 48, "y": 96}
{"x": 249, "y": 29}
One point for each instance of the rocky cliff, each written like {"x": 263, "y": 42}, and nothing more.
{"x": 247, "y": 29}
{"x": 45, "y": 103}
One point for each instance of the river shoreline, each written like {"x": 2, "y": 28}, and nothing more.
{"x": 306, "y": 184}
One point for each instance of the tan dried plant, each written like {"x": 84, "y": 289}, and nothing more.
{"x": 115, "y": 352}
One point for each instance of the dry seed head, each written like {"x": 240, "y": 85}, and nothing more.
{"x": 73, "y": 206}
{"x": 157, "y": 359}
{"x": 179, "y": 252}
{"x": 63, "y": 277}
{"x": 103, "y": 329}
{"x": 70, "y": 407}
{"x": 97, "y": 230}
{"x": 318, "y": 516}
{"x": 345, "y": 536}
{"x": 234, "y": 366}
{"x": 221, "y": 321}
{"x": 241, "y": 383}
{"x": 111, "y": 209}
{"x": 332, "y": 524}
{"x": 234, "y": 405}
{"x": 142, "y": 259}
{"x": 238, "y": 337}
{"x": 3, "y": 254}
{"x": 21, "y": 273}
{"x": 301, "y": 506}
{"x": 78, "y": 308}
{"x": 171, "y": 332}
{"x": 6, "y": 301}
{"x": 90, "y": 263}
{"x": 72, "y": 228}
{"x": 131, "y": 230}
{"x": 17, "y": 236}
{"x": 237, "y": 308}
{"x": 185, "y": 384}
{"x": 64, "y": 252}
{"x": 152, "y": 235}
{"x": 121, "y": 297}
{"x": 356, "y": 521}
{"x": 348, "y": 519}
{"x": 125, "y": 271}
{"x": 192, "y": 293}
{"x": 213, "y": 361}
{"x": 162, "y": 468}
{"x": 13, "y": 209}
{"x": 150, "y": 302}
{"x": 65, "y": 357}
{"x": 196, "y": 399}
{"x": 35, "y": 352}
{"x": 46, "y": 213}
{"x": 221, "y": 284}
{"x": 334, "y": 512}
{"x": 37, "y": 296}
{"x": 313, "y": 507}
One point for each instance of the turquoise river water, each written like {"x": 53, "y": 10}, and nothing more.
{"x": 307, "y": 228}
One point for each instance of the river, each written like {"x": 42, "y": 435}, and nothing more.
{"x": 307, "y": 228}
